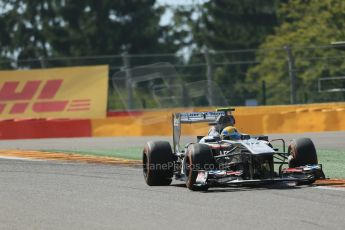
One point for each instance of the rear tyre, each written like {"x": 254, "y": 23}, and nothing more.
{"x": 158, "y": 163}
{"x": 198, "y": 157}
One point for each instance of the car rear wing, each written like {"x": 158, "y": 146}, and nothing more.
{"x": 192, "y": 117}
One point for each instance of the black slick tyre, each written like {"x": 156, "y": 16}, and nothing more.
{"x": 198, "y": 157}
{"x": 303, "y": 152}
{"x": 158, "y": 163}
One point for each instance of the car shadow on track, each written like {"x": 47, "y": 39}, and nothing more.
{"x": 237, "y": 188}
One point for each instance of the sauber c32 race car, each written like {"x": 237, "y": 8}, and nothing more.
{"x": 214, "y": 161}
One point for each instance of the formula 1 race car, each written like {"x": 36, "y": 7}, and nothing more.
{"x": 216, "y": 161}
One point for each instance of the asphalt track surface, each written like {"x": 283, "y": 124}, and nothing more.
{"x": 56, "y": 195}
{"x": 59, "y": 195}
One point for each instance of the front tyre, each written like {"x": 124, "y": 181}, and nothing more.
{"x": 198, "y": 157}
{"x": 158, "y": 163}
{"x": 303, "y": 153}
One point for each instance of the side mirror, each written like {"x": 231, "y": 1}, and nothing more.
{"x": 198, "y": 138}
{"x": 245, "y": 137}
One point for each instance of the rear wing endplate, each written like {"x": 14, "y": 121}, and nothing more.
{"x": 192, "y": 117}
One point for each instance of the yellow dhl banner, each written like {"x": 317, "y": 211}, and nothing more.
{"x": 77, "y": 92}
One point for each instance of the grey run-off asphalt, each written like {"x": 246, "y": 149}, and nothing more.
{"x": 322, "y": 140}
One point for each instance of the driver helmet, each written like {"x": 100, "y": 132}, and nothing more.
{"x": 230, "y": 133}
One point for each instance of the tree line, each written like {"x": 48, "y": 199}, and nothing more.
{"x": 63, "y": 28}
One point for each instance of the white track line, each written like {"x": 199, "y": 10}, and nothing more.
{"x": 331, "y": 188}
{"x": 20, "y": 158}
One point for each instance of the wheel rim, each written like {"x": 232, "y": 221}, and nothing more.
{"x": 188, "y": 166}
{"x": 292, "y": 148}
{"x": 145, "y": 165}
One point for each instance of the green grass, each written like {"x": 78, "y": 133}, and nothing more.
{"x": 333, "y": 161}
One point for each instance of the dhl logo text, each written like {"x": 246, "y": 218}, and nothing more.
{"x": 37, "y": 95}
